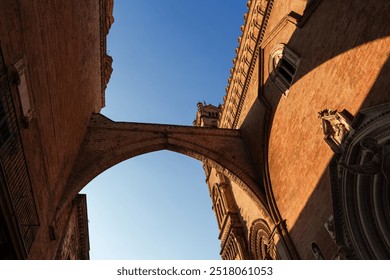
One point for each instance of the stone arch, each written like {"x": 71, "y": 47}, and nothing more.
{"x": 361, "y": 187}
{"x": 107, "y": 143}
{"x": 262, "y": 246}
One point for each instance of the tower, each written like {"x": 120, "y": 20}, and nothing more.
{"x": 207, "y": 115}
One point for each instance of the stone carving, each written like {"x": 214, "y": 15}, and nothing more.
{"x": 234, "y": 247}
{"x": 359, "y": 183}
{"x": 336, "y": 126}
{"x": 375, "y": 159}
{"x": 255, "y": 22}
{"x": 261, "y": 238}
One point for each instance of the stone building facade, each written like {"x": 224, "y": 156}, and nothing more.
{"x": 309, "y": 91}
{"x": 74, "y": 244}
{"x": 296, "y": 158}
{"x": 54, "y": 69}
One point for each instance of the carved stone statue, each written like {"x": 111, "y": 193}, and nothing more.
{"x": 376, "y": 159}
{"x": 335, "y": 125}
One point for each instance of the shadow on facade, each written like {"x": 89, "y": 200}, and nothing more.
{"x": 326, "y": 31}
{"x": 320, "y": 201}
{"x": 343, "y": 29}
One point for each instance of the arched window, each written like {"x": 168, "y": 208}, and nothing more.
{"x": 262, "y": 245}
{"x": 283, "y": 64}
{"x": 218, "y": 204}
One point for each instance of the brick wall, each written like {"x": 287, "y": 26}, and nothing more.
{"x": 343, "y": 53}
{"x": 60, "y": 42}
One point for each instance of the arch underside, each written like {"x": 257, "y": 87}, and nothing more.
{"x": 107, "y": 143}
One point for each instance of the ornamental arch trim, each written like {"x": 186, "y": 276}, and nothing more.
{"x": 262, "y": 246}
{"x": 361, "y": 187}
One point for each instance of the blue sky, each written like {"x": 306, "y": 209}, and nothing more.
{"x": 168, "y": 55}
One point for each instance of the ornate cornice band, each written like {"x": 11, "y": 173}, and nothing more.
{"x": 243, "y": 64}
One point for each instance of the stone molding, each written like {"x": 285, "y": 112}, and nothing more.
{"x": 261, "y": 239}
{"x": 360, "y": 199}
{"x": 248, "y": 51}
{"x": 291, "y": 18}
{"x": 253, "y": 30}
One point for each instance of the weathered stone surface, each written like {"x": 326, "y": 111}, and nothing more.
{"x": 107, "y": 143}
{"x": 60, "y": 43}
{"x": 269, "y": 149}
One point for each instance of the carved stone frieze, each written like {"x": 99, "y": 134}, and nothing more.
{"x": 252, "y": 31}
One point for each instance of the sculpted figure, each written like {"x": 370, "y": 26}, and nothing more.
{"x": 377, "y": 159}
{"x": 335, "y": 126}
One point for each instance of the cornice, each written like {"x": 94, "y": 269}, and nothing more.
{"x": 253, "y": 30}
{"x": 106, "y": 8}
{"x": 247, "y": 54}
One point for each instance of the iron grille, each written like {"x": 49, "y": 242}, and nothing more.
{"x": 14, "y": 165}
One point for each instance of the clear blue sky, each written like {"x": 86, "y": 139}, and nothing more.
{"x": 168, "y": 55}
